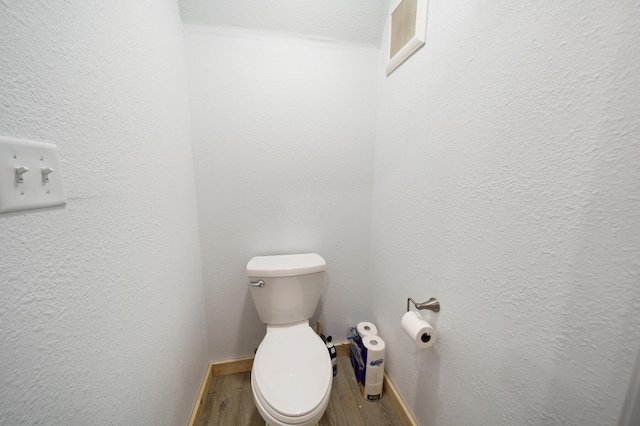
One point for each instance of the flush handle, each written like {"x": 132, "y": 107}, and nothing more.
{"x": 256, "y": 284}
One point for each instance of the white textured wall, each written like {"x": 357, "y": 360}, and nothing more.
{"x": 101, "y": 313}
{"x": 507, "y": 184}
{"x": 283, "y": 133}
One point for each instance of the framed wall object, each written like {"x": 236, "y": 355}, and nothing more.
{"x": 407, "y": 30}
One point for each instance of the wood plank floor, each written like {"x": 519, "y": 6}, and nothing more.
{"x": 230, "y": 402}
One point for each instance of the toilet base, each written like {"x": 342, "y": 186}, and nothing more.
{"x": 271, "y": 421}
{"x": 269, "y": 424}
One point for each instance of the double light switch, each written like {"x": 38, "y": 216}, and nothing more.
{"x": 30, "y": 176}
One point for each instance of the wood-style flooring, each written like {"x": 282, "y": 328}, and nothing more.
{"x": 230, "y": 402}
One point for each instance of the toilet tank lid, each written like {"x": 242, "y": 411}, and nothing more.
{"x": 287, "y": 265}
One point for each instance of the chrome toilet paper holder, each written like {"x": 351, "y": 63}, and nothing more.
{"x": 431, "y": 304}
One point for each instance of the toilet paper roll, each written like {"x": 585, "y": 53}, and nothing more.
{"x": 418, "y": 329}
{"x": 373, "y": 391}
{"x": 374, "y": 351}
{"x": 373, "y": 354}
{"x": 374, "y": 374}
{"x": 366, "y": 329}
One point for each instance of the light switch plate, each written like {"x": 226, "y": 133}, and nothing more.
{"x": 34, "y": 192}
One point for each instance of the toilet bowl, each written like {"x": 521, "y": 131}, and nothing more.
{"x": 292, "y": 374}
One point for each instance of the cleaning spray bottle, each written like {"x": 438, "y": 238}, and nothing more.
{"x": 333, "y": 355}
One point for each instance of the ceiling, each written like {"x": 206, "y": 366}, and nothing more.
{"x": 357, "y": 21}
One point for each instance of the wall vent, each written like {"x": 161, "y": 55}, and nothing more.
{"x": 407, "y": 30}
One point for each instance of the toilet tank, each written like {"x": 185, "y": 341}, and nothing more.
{"x": 292, "y": 286}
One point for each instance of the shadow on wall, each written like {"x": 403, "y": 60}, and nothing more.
{"x": 630, "y": 414}
{"x": 250, "y": 321}
{"x": 317, "y": 315}
{"x": 427, "y": 374}
{"x": 428, "y": 371}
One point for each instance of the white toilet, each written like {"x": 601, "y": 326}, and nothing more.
{"x": 292, "y": 374}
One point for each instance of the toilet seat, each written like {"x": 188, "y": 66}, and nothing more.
{"x": 292, "y": 374}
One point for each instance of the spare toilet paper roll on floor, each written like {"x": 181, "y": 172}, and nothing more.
{"x": 373, "y": 391}
{"x": 366, "y": 329}
{"x": 374, "y": 376}
{"x": 418, "y": 329}
{"x": 375, "y": 347}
